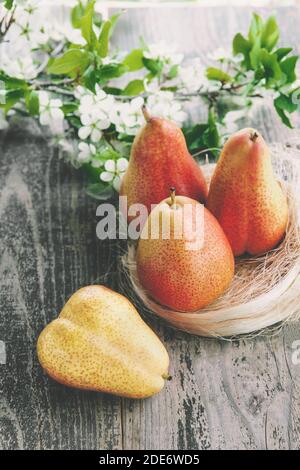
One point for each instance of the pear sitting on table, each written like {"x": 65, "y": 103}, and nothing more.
{"x": 99, "y": 342}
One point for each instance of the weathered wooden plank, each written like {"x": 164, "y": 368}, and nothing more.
{"x": 48, "y": 249}
{"x": 223, "y": 395}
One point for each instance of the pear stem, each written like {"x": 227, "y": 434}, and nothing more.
{"x": 167, "y": 376}
{"x": 254, "y": 136}
{"x": 173, "y": 194}
{"x": 146, "y": 113}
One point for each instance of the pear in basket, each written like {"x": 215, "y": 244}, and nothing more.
{"x": 184, "y": 260}
{"x": 159, "y": 153}
{"x": 246, "y": 197}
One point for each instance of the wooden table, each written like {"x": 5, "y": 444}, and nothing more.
{"x": 241, "y": 394}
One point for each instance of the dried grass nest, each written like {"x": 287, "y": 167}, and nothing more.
{"x": 265, "y": 290}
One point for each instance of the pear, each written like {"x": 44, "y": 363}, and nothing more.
{"x": 160, "y": 159}
{"x": 184, "y": 260}
{"x": 99, "y": 342}
{"x": 245, "y": 196}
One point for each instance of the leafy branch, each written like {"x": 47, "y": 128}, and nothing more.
{"x": 256, "y": 67}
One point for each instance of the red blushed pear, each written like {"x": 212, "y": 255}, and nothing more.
{"x": 160, "y": 159}
{"x": 245, "y": 196}
{"x": 184, "y": 260}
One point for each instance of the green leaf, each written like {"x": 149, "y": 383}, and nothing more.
{"x": 173, "y": 71}
{"x": 134, "y": 60}
{"x": 288, "y": 68}
{"x": 155, "y": 66}
{"x": 74, "y": 121}
{"x": 194, "y": 136}
{"x": 211, "y": 135}
{"x": 285, "y": 102}
{"x": 259, "y": 73}
{"x": 8, "y": 4}
{"x": 213, "y": 73}
{"x": 113, "y": 90}
{"x": 104, "y": 39}
{"x": 93, "y": 173}
{"x": 270, "y": 33}
{"x": 86, "y": 24}
{"x": 77, "y": 13}
{"x": 100, "y": 191}
{"x": 11, "y": 98}
{"x": 255, "y": 54}
{"x": 32, "y": 103}
{"x": 281, "y": 113}
{"x": 203, "y": 137}
{"x": 69, "y": 108}
{"x": 109, "y": 154}
{"x": 90, "y": 78}
{"x": 12, "y": 83}
{"x": 113, "y": 70}
{"x": 114, "y": 19}
{"x": 295, "y": 96}
{"x": 240, "y": 45}
{"x": 133, "y": 88}
{"x": 256, "y": 27}
{"x": 125, "y": 137}
{"x": 271, "y": 67}
{"x": 72, "y": 60}
{"x": 282, "y": 52}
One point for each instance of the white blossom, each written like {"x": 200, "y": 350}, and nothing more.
{"x": 153, "y": 86}
{"x": 86, "y": 152}
{"x": 17, "y": 60}
{"x": 66, "y": 146}
{"x": 164, "y": 52}
{"x": 128, "y": 117}
{"x": 80, "y": 91}
{"x": 192, "y": 77}
{"x": 114, "y": 171}
{"x": 164, "y": 104}
{"x": 30, "y": 22}
{"x": 220, "y": 54}
{"x": 94, "y": 113}
{"x": 57, "y": 23}
{"x": 51, "y": 113}
{"x": 41, "y": 20}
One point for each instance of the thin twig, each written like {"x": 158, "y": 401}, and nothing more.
{"x": 60, "y": 91}
{"x": 205, "y": 151}
{"x": 46, "y": 83}
{"x": 8, "y": 25}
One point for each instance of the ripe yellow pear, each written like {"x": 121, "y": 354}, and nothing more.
{"x": 99, "y": 342}
{"x": 184, "y": 263}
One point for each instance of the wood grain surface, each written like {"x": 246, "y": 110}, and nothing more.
{"x": 224, "y": 395}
